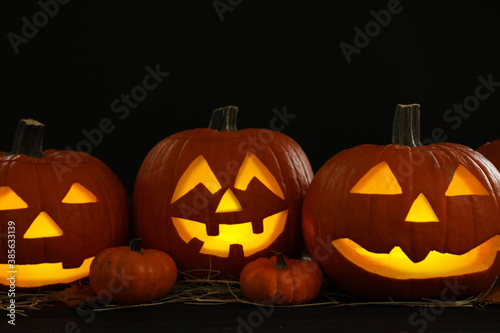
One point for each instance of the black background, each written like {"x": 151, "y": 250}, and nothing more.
{"x": 262, "y": 56}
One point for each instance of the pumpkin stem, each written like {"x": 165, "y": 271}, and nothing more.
{"x": 406, "y": 127}
{"x": 135, "y": 245}
{"x": 28, "y": 138}
{"x": 280, "y": 261}
{"x": 224, "y": 119}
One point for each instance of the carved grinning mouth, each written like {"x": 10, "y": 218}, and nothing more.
{"x": 397, "y": 265}
{"x": 229, "y": 234}
{"x": 36, "y": 275}
{"x": 219, "y": 237}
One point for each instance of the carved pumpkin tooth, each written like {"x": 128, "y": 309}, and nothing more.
{"x": 235, "y": 251}
{"x": 195, "y": 245}
{"x": 212, "y": 228}
{"x": 72, "y": 265}
{"x": 416, "y": 255}
{"x": 258, "y": 226}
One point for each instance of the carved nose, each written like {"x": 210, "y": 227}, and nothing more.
{"x": 43, "y": 226}
{"x": 421, "y": 211}
{"x": 228, "y": 203}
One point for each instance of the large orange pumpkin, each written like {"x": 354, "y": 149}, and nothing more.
{"x": 58, "y": 209}
{"x": 219, "y": 198}
{"x": 406, "y": 221}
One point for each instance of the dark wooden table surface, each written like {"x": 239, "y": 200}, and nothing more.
{"x": 249, "y": 318}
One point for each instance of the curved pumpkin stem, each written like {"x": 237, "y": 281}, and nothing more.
{"x": 406, "y": 127}
{"x": 28, "y": 138}
{"x": 280, "y": 261}
{"x": 135, "y": 245}
{"x": 224, "y": 119}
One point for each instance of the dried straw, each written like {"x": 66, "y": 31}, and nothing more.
{"x": 190, "y": 289}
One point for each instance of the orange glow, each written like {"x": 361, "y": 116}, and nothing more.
{"x": 464, "y": 183}
{"x": 37, "y": 275}
{"x": 43, "y": 226}
{"x": 421, "y": 211}
{"x": 397, "y": 265}
{"x": 229, "y": 234}
{"x": 197, "y": 172}
{"x": 10, "y": 200}
{"x": 228, "y": 203}
{"x": 378, "y": 180}
{"x": 78, "y": 194}
{"x": 253, "y": 167}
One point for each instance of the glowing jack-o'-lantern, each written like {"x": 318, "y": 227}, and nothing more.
{"x": 218, "y": 197}
{"x": 58, "y": 209}
{"x": 405, "y": 221}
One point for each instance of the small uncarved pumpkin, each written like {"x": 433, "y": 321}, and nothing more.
{"x": 132, "y": 275}
{"x": 281, "y": 281}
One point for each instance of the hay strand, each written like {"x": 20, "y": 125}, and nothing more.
{"x": 190, "y": 289}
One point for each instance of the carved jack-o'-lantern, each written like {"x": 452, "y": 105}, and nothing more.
{"x": 220, "y": 198}
{"x": 403, "y": 220}
{"x": 58, "y": 209}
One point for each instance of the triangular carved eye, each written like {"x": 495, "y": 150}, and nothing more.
{"x": 78, "y": 194}
{"x": 10, "y": 200}
{"x": 197, "y": 172}
{"x": 464, "y": 183}
{"x": 378, "y": 180}
{"x": 253, "y": 167}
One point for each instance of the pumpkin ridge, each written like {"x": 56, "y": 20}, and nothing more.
{"x": 476, "y": 238}
{"x": 381, "y": 156}
{"x": 282, "y": 183}
{"x": 177, "y": 158}
{"x": 107, "y": 201}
